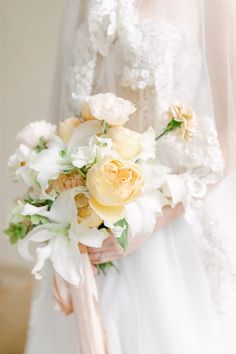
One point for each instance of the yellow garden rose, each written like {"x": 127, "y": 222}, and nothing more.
{"x": 67, "y": 127}
{"x": 126, "y": 142}
{"x": 112, "y": 184}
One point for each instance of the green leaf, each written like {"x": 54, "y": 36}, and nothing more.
{"x": 38, "y": 219}
{"x": 16, "y": 232}
{"x": 39, "y": 202}
{"x": 123, "y": 239}
{"x": 102, "y": 267}
{"x": 172, "y": 125}
{"x": 42, "y": 145}
{"x": 105, "y": 127}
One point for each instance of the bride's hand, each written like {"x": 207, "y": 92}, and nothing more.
{"x": 111, "y": 250}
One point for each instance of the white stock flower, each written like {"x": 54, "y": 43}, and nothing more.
{"x": 20, "y": 164}
{"x": 31, "y": 134}
{"x": 110, "y": 108}
{"x": 49, "y": 163}
{"x": 58, "y": 241}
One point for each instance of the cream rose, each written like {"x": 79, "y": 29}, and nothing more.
{"x": 185, "y": 115}
{"x": 108, "y": 107}
{"x": 126, "y": 142}
{"x": 113, "y": 182}
{"x": 67, "y": 127}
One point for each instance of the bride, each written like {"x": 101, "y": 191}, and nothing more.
{"x": 175, "y": 292}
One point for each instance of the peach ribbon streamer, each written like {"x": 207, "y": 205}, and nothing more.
{"x": 84, "y": 301}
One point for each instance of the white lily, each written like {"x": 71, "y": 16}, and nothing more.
{"x": 59, "y": 240}
{"x": 142, "y": 212}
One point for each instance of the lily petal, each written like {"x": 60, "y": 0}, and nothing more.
{"x": 66, "y": 259}
{"x": 83, "y": 133}
{"x": 29, "y": 209}
{"x": 39, "y": 234}
{"x": 141, "y": 213}
{"x": 64, "y": 209}
{"x": 174, "y": 188}
{"x": 43, "y": 254}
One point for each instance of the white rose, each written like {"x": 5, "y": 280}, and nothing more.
{"x": 31, "y": 134}
{"x": 110, "y": 108}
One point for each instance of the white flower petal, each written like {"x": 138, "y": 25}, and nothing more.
{"x": 31, "y": 134}
{"x": 29, "y": 209}
{"x": 42, "y": 254}
{"x": 66, "y": 259}
{"x": 154, "y": 176}
{"x": 175, "y": 189}
{"x": 82, "y": 156}
{"x": 83, "y": 133}
{"x": 141, "y": 213}
{"x": 39, "y": 234}
{"x": 148, "y": 145}
{"x": 64, "y": 209}
{"x": 91, "y": 237}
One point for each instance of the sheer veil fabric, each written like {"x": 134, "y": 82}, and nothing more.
{"x": 177, "y": 293}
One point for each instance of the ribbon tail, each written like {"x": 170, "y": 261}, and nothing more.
{"x": 92, "y": 335}
{"x": 62, "y": 295}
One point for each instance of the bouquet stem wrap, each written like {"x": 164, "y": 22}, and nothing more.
{"x": 84, "y": 301}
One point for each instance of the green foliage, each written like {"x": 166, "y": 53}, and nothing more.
{"x": 104, "y": 266}
{"x": 16, "y": 232}
{"x": 123, "y": 239}
{"x": 42, "y": 145}
{"x": 172, "y": 125}
{"x": 39, "y": 202}
{"x": 105, "y": 127}
{"x": 38, "y": 219}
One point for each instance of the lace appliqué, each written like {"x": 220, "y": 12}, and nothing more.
{"x": 219, "y": 256}
{"x": 81, "y": 73}
{"x": 103, "y": 24}
{"x": 94, "y": 36}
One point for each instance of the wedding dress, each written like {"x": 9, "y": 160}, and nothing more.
{"x": 176, "y": 294}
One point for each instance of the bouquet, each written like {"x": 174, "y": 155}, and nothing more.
{"x": 89, "y": 178}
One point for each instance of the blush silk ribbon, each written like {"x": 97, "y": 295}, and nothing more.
{"x": 84, "y": 302}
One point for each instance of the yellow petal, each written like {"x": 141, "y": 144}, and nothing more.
{"x": 108, "y": 213}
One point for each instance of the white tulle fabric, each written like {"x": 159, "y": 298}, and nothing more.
{"x": 177, "y": 293}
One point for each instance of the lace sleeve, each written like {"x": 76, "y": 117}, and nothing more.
{"x": 93, "y": 37}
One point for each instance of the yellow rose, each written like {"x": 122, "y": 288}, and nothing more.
{"x": 86, "y": 214}
{"x": 112, "y": 184}
{"x": 67, "y": 127}
{"x": 126, "y": 142}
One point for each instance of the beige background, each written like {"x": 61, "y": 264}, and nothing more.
{"x": 29, "y": 32}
